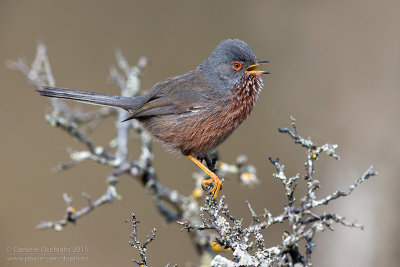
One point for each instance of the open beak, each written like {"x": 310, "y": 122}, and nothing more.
{"x": 252, "y": 68}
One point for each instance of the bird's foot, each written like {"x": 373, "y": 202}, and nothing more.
{"x": 214, "y": 180}
{"x": 213, "y": 186}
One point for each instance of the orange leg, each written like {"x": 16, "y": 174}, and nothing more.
{"x": 214, "y": 178}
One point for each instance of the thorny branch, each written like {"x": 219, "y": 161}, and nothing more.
{"x": 207, "y": 223}
{"x": 141, "y": 247}
{"x": 247, "y": 243}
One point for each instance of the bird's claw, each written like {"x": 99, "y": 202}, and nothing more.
{"x": 207, "y": 186}
{"x": 213, "y": 186}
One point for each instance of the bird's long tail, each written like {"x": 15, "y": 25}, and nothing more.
{"x": 90, "y": 97}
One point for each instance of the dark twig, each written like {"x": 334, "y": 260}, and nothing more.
{"x": 141, "y": 247}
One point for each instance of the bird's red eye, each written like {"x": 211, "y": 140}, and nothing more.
{"x": 237, "y": 65}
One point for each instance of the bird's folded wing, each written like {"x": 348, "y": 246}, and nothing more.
{"x": 181, "y": 94}
{"x": 182, "y": 101}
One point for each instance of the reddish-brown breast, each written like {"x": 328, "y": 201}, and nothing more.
{"x": 199, "y": 132}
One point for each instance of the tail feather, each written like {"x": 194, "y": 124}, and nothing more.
{"x": 90, "y": 97}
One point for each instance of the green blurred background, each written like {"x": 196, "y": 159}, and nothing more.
{"x": 335, "y": 66}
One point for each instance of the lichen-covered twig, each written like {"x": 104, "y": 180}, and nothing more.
{"x": 247, "y": 243}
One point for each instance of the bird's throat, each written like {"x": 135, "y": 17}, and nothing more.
{"x": 245, "y": 95}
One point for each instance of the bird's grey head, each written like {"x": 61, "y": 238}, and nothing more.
{"x": 228, "y": 64}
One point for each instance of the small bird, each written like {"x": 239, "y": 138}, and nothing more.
{"x": 194, "y": 112}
